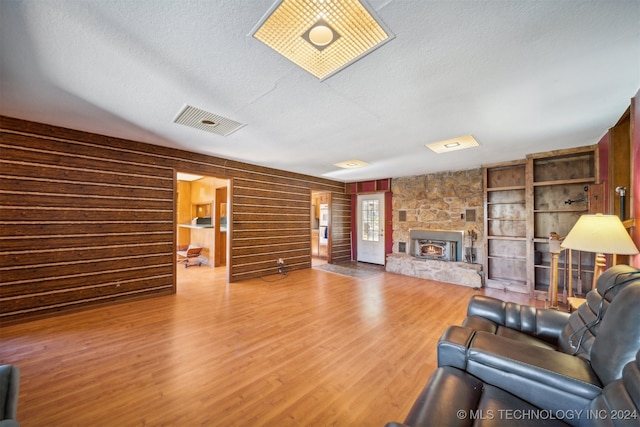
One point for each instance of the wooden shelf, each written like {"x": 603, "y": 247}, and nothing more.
{"x": 507, "y": 238}
{"x": 524, "y": 204}
{"x": 559, "y": 210}
{"x": 505, "y": 225}
{"x": 514, "y": 258}
{"x": 583, "y": 270}
{"x": 559, "y": 176}
{"x": 515, "y": 187}
{"x": 564, "y": 182}
{"x": 509, "y": 281}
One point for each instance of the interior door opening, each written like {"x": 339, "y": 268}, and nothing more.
{"x": 202, "y": 234}
{"x": 320, "y": 222}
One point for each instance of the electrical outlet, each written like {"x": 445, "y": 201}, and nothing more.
{"x": 280, "y": 261}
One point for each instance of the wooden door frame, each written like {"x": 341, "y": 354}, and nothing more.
{"x": 229, "y": 220}
{"x": 388, "y": 224}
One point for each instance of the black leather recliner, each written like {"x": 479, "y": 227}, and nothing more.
{"x": 509, "y": 357}
{"x": 548, "y": 328}
{"x": 538, "y": 372}
{"x": 453, "y": 397}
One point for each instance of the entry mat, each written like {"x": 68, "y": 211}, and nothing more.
{"x": 358, "y": 270}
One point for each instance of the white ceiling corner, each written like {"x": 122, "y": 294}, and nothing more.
{"x": 521, "y": 76}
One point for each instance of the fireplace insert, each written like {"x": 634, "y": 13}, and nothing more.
{"x": 443, "y": 250}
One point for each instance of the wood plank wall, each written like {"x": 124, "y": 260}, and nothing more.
{"x": 89, "y": 219}
{"x": 340, "y": 227}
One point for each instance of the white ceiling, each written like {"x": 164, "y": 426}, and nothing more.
{"x": 521, "y": 76}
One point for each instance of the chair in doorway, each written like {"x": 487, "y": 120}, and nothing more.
{"x": 190, "y": 255}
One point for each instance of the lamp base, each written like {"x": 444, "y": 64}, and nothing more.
{"x": 598, "y": 269}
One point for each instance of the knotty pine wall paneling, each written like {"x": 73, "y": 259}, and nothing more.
{"x": 90, "y": 219}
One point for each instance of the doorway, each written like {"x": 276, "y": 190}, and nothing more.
{"x": 370, "y": 220}
{"x": 320, "y": 222}
{"x": 202, "y": 210}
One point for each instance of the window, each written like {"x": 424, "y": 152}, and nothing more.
{"x": 370, "y": 220}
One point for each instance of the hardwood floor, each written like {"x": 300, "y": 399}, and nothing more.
{"x": 309, "y": 349}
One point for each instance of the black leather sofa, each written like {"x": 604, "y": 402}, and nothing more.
{"x": 453, "y": 397}
{"x": 508, "y": 357}
{"x": 9, "y": 388}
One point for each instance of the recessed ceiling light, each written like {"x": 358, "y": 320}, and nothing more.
{"x": 351, "y": 164}
{"x": 454, "y": 144}
{"x": 322, "y": 37}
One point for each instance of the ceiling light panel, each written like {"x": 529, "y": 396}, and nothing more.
{"x": 454, "y": 144}
{"x": 356, "y": 32}
{"x": 351, "y": 164}
{"x": 204, "y": 120}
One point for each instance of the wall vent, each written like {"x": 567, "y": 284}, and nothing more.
{"x": 204, "y": 120}
{"x": 470, "y": 215}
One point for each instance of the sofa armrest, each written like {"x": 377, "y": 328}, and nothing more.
{"x": 548, "y": 379}
{"x": 447, "y": 392}
{"x": 453, "y": 346}
{"x": 545, "y": 324}
{"x": 9, "y": 388}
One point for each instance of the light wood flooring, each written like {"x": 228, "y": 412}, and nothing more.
{"x": 312, "y": 348}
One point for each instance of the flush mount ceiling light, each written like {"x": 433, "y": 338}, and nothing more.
{"x": 322, "y": 36}
{"x": 351, "y": 164}
{"x": 454, "y": 144}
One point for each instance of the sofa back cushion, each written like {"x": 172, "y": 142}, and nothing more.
{"x": 618, "y": 338}
{"x": 579, "y": 335}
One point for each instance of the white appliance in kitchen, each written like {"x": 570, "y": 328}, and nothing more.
{"x": 323, "y": 231}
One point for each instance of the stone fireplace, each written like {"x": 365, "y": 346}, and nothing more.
{"x": 435, "y": 216}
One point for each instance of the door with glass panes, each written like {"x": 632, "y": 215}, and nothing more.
{"x": 370, "y": 228}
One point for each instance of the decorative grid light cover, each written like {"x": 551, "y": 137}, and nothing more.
{"x": 284, "y": 26}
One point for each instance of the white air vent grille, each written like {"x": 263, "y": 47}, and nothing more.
{"x": 204, "y": 120}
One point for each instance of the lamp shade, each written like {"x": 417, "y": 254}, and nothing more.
{"x": 599, "y": 233}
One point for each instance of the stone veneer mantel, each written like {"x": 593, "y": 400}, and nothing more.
{"x": 457, "y": 273}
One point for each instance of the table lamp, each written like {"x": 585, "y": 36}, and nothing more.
{"x": 601, "y": 234}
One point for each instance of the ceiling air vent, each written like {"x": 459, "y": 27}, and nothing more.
{"x": 204, "y": 120}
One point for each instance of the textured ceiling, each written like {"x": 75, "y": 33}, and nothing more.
{"x": 521, "y": 76}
